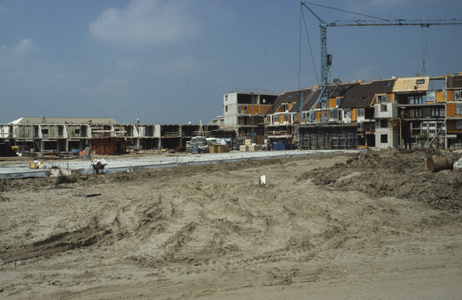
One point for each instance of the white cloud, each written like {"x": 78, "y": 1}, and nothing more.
{"x": 25, "y": 46}
{"x": 22, "y": 68}
{"x": 145, "y": 22}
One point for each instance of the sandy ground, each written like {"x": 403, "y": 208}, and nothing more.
{"x": 374, "y": 225}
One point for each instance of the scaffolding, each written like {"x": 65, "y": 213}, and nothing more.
{"x": 328, "y": 137}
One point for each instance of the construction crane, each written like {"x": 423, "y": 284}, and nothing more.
{"x": 326, "y": 59}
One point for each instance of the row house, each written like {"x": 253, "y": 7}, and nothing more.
{"x": 453, "y": 94}
{"x": 284, "y": 113}
{"x": 244, "y": 113}
{"x": 66, "y": 134}
{"x": 408, "y": 112}
{"x": 421, "y": 103}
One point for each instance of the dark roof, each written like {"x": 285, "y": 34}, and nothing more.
{"x": 455, "y": 82}
{"x": 287, "y": 97}
{"x": 346, "y": 90}
{"x": 361, "y": 95}
{"x": 339, "y": 90}
{"x": 309, "y": 98}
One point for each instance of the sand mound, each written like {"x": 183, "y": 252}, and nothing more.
{"x": 395, "y": 173}
{"x": 210, "y": 231}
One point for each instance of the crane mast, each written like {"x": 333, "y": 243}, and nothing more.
{"x": 326, "y": 59}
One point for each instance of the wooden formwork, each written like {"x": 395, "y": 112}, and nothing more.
{"x": 108, "y": 145}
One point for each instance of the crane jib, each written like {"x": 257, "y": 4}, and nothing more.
{"x": 326, "y": 59}
{"x": 399, "y": 22}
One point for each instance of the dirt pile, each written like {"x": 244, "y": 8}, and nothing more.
{"x": 395, "y": 173}
{"x": 210, "y": 232}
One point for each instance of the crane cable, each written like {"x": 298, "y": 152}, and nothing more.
{"x": 302, "y": 16}
{"x": 424, "y": 48}
{"x": 342, "y": 10}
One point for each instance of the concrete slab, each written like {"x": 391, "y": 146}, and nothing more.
{"x": 121, "y": 163}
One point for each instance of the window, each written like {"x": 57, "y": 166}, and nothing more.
{"x": 383, "y": 107}
{"x": 420, "y": 81}
{"x": 458, "y": 109}
{"x": 416, "y": 113}
{"x": 381, "y": 99}
{"x": 264, "y": 101}
{"x": 44, "y": 131}
{"x": 458, "y": 95}
{"x": 386, "y": 83}
{"x": 284, "y": 107}
{"x": 458, "y": 124}
{"x": 333, "y": 114}
{"x": 343, "y": 88}
{"x": 437, "y": 112}
{"x": 347, "y": 113}
{"x": 360, "y": 112}
{"x": 226, "y": 108}
{"x": 338, "y": 100}
{"x": 383, "y": 123}
{"x": 416, "y": 99}
{"x": 245, "y": 108}
{"x": 351, "y": 99}
{"x": 431, "y": 96}
{"x": 226, "y": 97}
{"x": 363, "y": 98}
{"x": 384, "y": 138}
{"x": 286, "y": 118}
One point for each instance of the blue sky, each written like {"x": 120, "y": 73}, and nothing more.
{"x": 171, "y": 61}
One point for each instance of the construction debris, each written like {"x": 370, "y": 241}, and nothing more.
{"x": 97, "y": 166}
{"x": 436, "y": 164}
{"x": 37, "y": 165}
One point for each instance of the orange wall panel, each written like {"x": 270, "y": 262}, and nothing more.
{"x": 331, "y": 103}
{"x": 450, "y": 96}
{"x": 390, "y": 96}
{"x": 451, "y": 127}
{"x": 440, "y": 97}
{"x": 354, "y": 114}
{"x": 451, "y": 110}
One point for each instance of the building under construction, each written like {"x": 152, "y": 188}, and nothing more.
{"x": 104, "y": 135}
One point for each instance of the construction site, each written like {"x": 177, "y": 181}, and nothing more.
{"x": 343, "y": 190}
